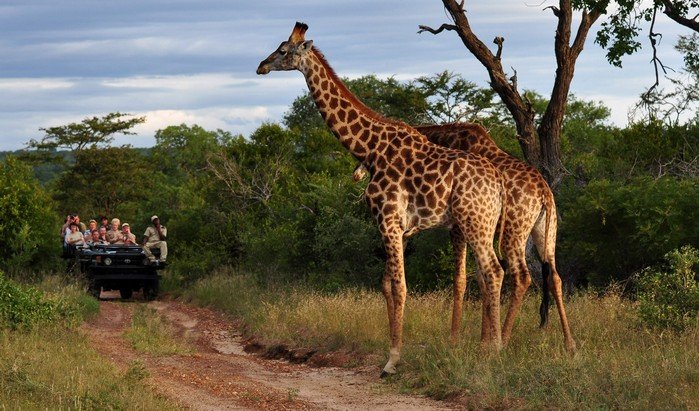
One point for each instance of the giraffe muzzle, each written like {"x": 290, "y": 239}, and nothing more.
{"x": 262, "y": 68}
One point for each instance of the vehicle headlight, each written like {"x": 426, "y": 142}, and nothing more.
{"x": 107, "y": 261}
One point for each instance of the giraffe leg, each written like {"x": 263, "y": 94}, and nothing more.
{"x": 556, "y": 287}
{"x": 485, "y": 330}
{"x": 553, "y": 279}
{"x": 493, "y": 275}
{"x": 395, "y": 291}
{"x": 522, "y": 280}
{"x": 458, "y": 242}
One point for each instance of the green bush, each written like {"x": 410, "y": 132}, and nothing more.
{"x": 28, "y": 227}
{"x": 669, "y": 293}
{"x": 613, "y": 228}
{"x": 23, "y": 307}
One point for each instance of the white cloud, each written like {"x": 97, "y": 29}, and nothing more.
{"x": 33, "y": 84}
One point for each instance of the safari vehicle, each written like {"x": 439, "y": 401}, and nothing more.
{"x": 119, "y": 267}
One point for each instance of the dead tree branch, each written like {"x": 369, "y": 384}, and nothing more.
{"x": 654, "y": 38}
{"x": 499, "y": 40}
{"x": 540, "y": 145}
{"x": 449, "y": 27}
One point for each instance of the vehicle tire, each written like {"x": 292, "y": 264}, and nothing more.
{"x": 94, "y": 290}
{"x": 150, "y": 291}
{"x": 126, "y": 293}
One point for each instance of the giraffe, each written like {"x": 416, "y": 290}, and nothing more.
{"x": 531, "y": 210}
{"x": 414, "y": 185}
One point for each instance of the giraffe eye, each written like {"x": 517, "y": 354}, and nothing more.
{"x": 283, "y": 52}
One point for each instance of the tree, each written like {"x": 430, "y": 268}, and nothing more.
{"x": 184, "y": 149}
{"x": 28, "y": 227}
{"x": 671, "y": 106}
{"x": 540, "y": 144}
{"x": 619, "y": 34}
{"x": 451, "y": 98}
{"x": 103, "y": 180}
{"x": 91, "y": 133}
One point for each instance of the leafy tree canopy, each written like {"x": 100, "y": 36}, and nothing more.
{"x": 104, "y": 181}
{"x": 619, "y": 34}
{"x": 91, "y": 133}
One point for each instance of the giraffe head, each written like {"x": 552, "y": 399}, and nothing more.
{"x": 289, "y": 54}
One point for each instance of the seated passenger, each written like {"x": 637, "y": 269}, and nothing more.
{"x": 103, "y": 235}
{"x": 95, "y": 239}
{"x": 75, "y": 238}
{"x": 126, "y": 237}
{"x": 92, "y": 225}
{"x": 155, "y": 237}
{"x": 114, "y": 234}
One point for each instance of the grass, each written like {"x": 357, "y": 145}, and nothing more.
{"x": 150, "y": 334}
{"x": 53, "y": 367}
{"x": 618, "y": 364}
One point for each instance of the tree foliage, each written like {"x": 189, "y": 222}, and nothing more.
{"x": 91, "y": 133}
{"x": 451, "y": 99}
{"x": 619, "y": 34}
{"x": 106, "y": 181}
{"x": 682, "y": 101}
{"x": 28, "y": 227}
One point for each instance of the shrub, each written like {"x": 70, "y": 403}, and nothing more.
{"x": 669, "y": 293}
{"x": 22, "y": 307}
{"x": 29, "y": 227}
{"x": 615, "y": 229}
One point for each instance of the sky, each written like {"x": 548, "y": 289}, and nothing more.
{"x": 194, "y": 61}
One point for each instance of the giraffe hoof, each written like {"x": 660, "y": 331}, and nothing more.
{"x": 384, "y": 374}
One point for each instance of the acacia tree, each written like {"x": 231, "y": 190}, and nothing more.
{"x": 541, "y": 145}
{"x": 91, "y": 133}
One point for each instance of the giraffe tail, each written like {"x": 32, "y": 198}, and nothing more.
{"x": 546, "y": 266}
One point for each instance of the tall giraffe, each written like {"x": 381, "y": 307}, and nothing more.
{"x": 415, "y": 185}
{"x": 531, "y": 210}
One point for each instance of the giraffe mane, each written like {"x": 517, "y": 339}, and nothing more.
{"x": 354, "y": 100}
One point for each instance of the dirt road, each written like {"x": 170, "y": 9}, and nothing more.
{"x": 221, "y": 375}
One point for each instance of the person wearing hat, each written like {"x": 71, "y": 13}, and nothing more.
{"x": 114, "y": 233}
{"x": 92, "y": 225}
{"x": 155, "y": 237}
{"x": 127, "y": 237}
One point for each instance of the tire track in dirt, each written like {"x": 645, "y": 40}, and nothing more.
{"x": 221, "y": 375}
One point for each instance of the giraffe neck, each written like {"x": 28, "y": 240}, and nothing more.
{"x": 358, "y": 128}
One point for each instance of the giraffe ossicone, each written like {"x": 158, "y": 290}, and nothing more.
{"x": 414, "y": 185}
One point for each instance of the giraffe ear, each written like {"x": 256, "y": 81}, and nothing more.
{"x": 306, "y": 45}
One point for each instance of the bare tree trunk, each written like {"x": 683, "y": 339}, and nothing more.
{"x": 540, "y": 146}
